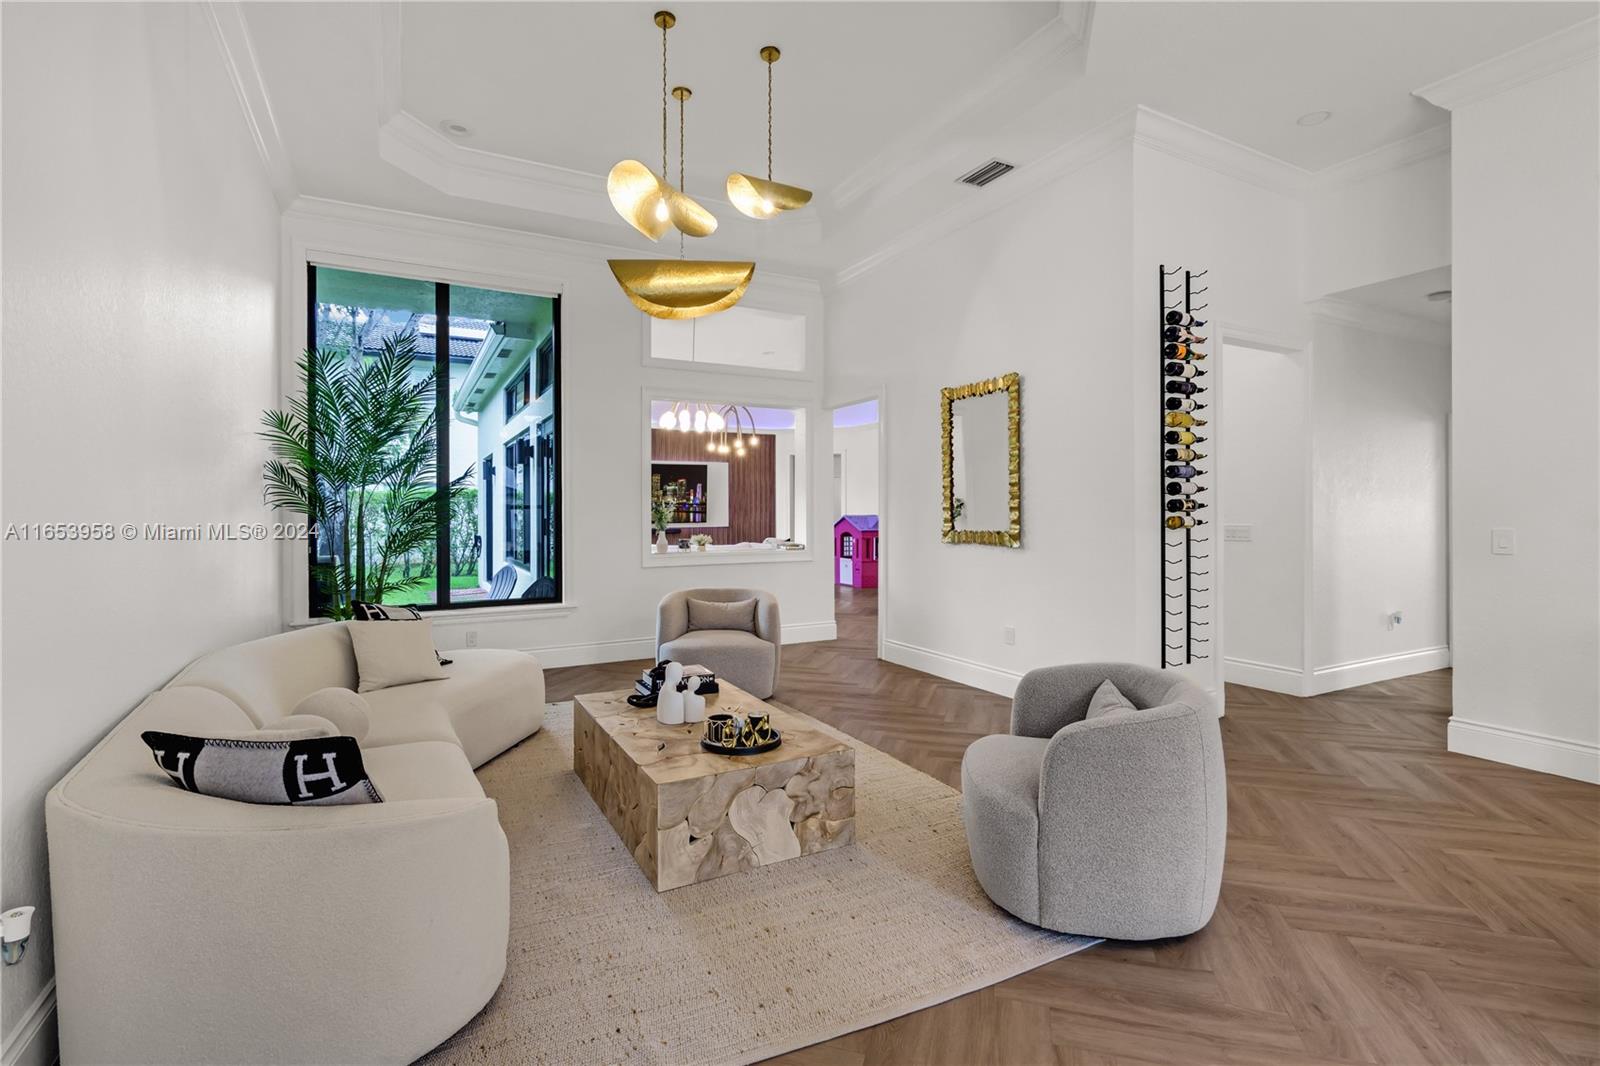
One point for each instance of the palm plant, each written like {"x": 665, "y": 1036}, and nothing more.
{"x": 355, "y": 453}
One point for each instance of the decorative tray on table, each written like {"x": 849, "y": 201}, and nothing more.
{"x": 756, "y": 749}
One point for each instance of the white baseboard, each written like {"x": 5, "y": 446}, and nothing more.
{"x": 590, "y": 653}
{"x": 808, "y": 632}
{"x": 952, "y": 667}
{"x": 1576, "y": 759}
{"x": 1381, "y": 668}
{"x": 34, "y": 1041}
{"x": 1269, "y": 676}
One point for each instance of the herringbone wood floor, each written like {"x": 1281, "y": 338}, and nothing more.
{"x": 1383, "y": 901}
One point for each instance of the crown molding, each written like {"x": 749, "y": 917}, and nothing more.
{"x": 1392, "y": 156}
{"x": 1546, "y": 56}
{"x": 244, "y": 72}
{"x": 1380, "y": 320}
{"x": 1177, "y": 138}
{"x": 1058, "y": 163}
{"x": 316, "y": 210}
{"x": 410, "y": 144}
{"x": 924, "y": 147}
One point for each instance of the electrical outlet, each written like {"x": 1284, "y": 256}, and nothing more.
{"x": 1008, "y": 634}
{"x": 1238, "y": 532}
{"x": 472, "y": 638}
{"x": 1394, "y": 619}
{"x": 1502, "y": 541}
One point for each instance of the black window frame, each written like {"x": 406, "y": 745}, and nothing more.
{"x": 519, "y": 499}
{"x": 442, "y": 415}
{"x": 519, "y": 393}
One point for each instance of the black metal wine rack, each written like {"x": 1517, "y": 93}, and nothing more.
{"x": 1185, "y": 535}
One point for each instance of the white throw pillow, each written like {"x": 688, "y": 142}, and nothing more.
{"x": 1107, "y": 699}
{"x": 394, "y": 653}
{"x": 298, "y": 726}
{"x": 347, "y": 710}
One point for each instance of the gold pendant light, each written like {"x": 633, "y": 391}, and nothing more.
{"x": 682, "y": 288}
{"x": 763, "y": 198}
{"x": 649, "y": 203}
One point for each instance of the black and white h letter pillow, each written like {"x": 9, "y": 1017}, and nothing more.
{"x": 316, "y": 770}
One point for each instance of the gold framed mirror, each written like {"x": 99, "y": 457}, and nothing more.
{"x": 980, "y": 430}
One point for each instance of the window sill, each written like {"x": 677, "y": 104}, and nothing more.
{"x": 465, "y": 616}
{"x": 715, "y": 555}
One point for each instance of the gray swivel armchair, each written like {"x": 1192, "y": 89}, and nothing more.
{"x": 734, "y": 632}
{"x": 1112, "y": 826}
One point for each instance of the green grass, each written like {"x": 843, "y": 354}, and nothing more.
{"x": 421, "y": 590}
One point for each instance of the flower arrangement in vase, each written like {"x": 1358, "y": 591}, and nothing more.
{"x": 700, "y": 541}
{"x": 663, "y": 507}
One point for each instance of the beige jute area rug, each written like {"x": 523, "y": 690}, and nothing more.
{"x": 603, "y": 969}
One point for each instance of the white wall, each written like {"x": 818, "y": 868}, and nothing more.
{"x": 1037, "y": 286}
{"x": 859, "y": 446}
{"x": 1380, "y": 425}
{"x": 1526, "y": 627}
{"x": 1241, "y": 220}
{"x": 1379, "y": 217}
{"x": 140, "y": 286}
{"x": 1266, "y": 395}
{"x": 609, "y": 608}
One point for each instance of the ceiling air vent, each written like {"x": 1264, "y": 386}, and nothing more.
{"x": 982, "y": 176}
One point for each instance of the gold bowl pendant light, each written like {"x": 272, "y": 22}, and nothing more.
{"x": 682, "y": 288}
{"x": 762, "y": 197}
{"x": 647, "y": 202}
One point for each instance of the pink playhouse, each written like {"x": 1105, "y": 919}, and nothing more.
{"x": 855, "y": 549}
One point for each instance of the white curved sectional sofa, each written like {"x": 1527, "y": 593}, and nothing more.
{"x": 190, "y": 928}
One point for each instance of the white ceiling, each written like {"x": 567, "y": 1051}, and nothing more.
{"x": 879, "y": 106}
{"x": 579, "y": 85}
{"x": 1407, "y": 295}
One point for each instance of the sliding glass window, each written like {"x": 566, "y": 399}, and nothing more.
{"x": 403, "y": 358}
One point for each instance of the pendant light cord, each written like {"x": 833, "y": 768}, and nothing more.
{"x": 769, "y": 121}
{"x": 683, "y": 184}
{"x": 664, "y": 175}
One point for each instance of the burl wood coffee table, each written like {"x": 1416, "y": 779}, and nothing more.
{"x": 689, "y": 815}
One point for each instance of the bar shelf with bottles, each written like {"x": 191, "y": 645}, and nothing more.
{"x": 1185, "y": 533}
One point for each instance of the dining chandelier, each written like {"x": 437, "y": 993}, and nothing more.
{"x": 718, "y": 420}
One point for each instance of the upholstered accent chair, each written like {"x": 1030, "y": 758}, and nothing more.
{"x": 747, "y": 653}
{"x": 1109, "y": 826}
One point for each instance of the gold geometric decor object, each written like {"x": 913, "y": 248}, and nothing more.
{"x": 763, "y": 198}
{"x": 682, "y": 288}
{"x": 645, "y": 200}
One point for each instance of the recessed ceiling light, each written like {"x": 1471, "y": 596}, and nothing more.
{"x": 456, "y": 129}
{"x": 1313, "y": 118}
{"x": 1440, "y": 297}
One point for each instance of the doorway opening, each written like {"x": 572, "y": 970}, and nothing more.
{"x": 856, "y": 519}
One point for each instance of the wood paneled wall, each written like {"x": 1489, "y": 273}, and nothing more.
{"x": 752, "y": 484}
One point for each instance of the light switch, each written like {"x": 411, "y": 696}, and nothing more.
{"x": 1502, "y": 541}
{"x": 1238, "y": 532}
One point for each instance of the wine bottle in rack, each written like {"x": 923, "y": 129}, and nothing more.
{"x": 1184, "y": 488}
{"x": 1183, "y": 455}
{"x": 1183, "y": 403}
{"x": 1181, "y": 436}
{"x": 1183, "y": 471}
{"x": 1183, "y": 506}
{"x": 1181, "y": 335}
{"x": 1184, "y": 388}
{"x": 1176, "y": 369}
{"x": 1182, "y": 521}
{"x": 1183, "y": 420}
{"x": 1183, "y": 318}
